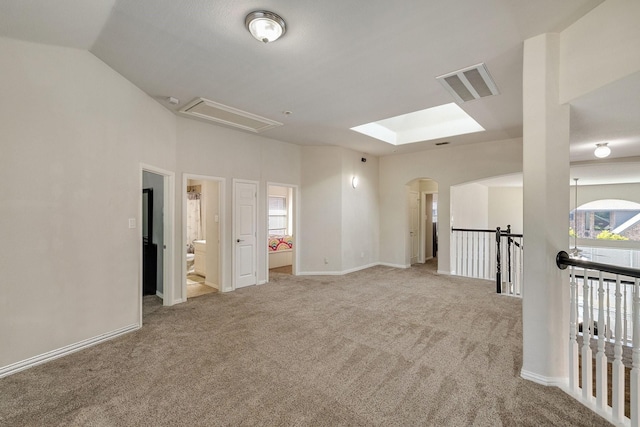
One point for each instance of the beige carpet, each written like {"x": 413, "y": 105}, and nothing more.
{"x": 381, "y": 347}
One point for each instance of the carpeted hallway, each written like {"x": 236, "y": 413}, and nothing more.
{"x": 382, "y": 346}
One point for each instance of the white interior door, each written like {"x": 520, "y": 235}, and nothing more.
{"x": 245, "y": 233}
{"x": 414, "y": 224}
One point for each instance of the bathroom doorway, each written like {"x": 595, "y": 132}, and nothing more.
{"x": 281, "y": 229}
{"x": 202, "y": 235}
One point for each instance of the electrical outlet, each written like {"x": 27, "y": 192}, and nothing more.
{"x": 326, "y": 261}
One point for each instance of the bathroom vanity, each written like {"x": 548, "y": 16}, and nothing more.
{"x": 200, "y": 250}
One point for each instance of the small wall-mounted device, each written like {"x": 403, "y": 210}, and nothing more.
{"x": 173, "y": 101}
{"x": 363, "y": 160}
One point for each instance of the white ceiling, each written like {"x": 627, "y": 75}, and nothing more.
{"x": 340, "y": 64}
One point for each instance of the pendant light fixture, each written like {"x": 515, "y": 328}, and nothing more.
{"x": 265, "y": 26}
{"x": 575, "y": 252}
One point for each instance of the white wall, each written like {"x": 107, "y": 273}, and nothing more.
{"x": 505, "y": 208}
{"x": 339, "y": 223}
{"x": 360, "y": 211}
{"x": 600, "y": 48}
{"x": 74, "y": 133}
{"x": 590, "y": 193}
{"x": 470, "y": 206}
{"x": 447, "y": 166}
{"x": 216, "y": 151}
{"x": 321, "y": 209}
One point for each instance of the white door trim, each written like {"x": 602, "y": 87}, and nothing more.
{"x": 295, "y": 222}
{"x": 169, "y": 233}
{"x": 233, "y": 236}
{"x": 222, "y": 280}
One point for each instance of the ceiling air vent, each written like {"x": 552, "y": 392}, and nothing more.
{"x": 469, "y": 83}
{"x": 223, "y": 114}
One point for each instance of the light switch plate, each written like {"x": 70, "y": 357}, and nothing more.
{"x": 132, "y": 223}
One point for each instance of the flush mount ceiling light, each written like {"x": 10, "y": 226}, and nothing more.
{"x": 602, "y": 150}
{"x": 354, "y": 182}
{"x": 265, "y": 26}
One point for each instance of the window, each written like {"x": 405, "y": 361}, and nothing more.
{"x": 607, "y": 219}
{"x": 277, "y": 215}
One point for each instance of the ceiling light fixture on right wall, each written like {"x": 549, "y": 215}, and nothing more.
{"x": 602, "y": 150}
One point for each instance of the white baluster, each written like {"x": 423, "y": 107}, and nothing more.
{"x": 617, "y": 400}
{"x": 481, "y": 256}
{"x": 609, "y": 330}
{"x": 587, "y": 386}
{"x": 467, "y": 258}
{"x": 520, "y": 272}
{"x": 625, "y": 337}
{"x": 635, "y": 370}
{"x": 460, "y": 252}
{"x": 487, "y": 257}
{"x": 601, "y": 358}
{"x": 477, "y": 255}
{"x": 573, "y": 329}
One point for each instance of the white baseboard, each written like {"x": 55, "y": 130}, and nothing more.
{"x": 547, "y": 381}
{"x": 262, "y": 282}
{"x": 445, "y": 272}
{"x": 320, "y": 273}
{"x": 362, "y": 267}
{"x": 388, "y": 264}
{"x": 159, "y": 294}
{"x": 63, "y": 351}
{"x": 350, "y": 270}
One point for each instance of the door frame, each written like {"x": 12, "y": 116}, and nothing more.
{"x": 221, "y": 230}
{"x": 168, "y": 267}
{"x": 295, "y": 208}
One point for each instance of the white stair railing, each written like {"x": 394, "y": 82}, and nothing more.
{"x": 617, "y": 327}
{"x": 491, "y": 255}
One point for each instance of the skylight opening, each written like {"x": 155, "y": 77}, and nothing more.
{"x": 433, "y": 123}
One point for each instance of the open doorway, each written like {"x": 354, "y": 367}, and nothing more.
{"x": 202, "y": 228}
{"x": 430, "y": 218}
{"x": 281, "y": 243}
{"x": 422, "y": 199}
{"x": 156, "y": 234}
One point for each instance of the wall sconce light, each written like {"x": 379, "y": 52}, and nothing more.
{"x": 602, "y": 150}
{"x": 265, "y": 26}
{"x": 354, "y": 182}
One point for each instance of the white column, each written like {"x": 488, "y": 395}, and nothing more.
{"x": 545, "y": 304}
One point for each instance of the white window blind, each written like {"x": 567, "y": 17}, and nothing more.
{"x": 277, "y": 215}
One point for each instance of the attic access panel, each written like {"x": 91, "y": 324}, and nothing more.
{"x": 209, "y": 110}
